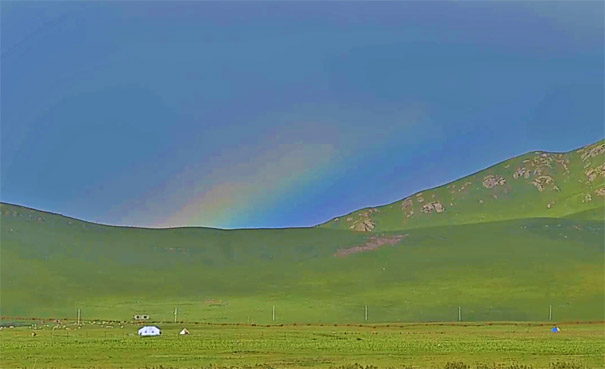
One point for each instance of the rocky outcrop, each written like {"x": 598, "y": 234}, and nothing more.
{"x": 521, "y": 172}
{"x": 491, "y": 181}
{"x": 407, "y": 206}
{"x": 592, "y": 151}
{"x": 563, "y": 161}
{"x": 364, "y": 222}
{"x": 407, "y": 203}
{"x": 433, "y": 206}
{"x": 593, "y": 173}
{"x": 363, "y": 225}
{"x": 542, "y": 164}
{"x": 543, "y": 182}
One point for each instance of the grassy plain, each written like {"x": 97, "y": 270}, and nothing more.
{"x": 497, "y": 345}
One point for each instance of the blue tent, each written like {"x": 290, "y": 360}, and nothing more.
{"x": 556, "y": 329}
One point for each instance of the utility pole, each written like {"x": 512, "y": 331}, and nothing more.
{"x": 549, "y": 312}
{"x": 78, "y": 316}
{"x": 273, "y": 316}
{"x": 176, "y": 311}
{"x": 365, "y": 315}
{"x": 459, "y": 314}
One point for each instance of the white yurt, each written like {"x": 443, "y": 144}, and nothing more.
{"x": 149, "y": 330}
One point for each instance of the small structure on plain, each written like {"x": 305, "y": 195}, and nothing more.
{"x": 149, "y": 330}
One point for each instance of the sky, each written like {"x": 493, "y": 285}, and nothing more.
{"x": 280, "y": 114}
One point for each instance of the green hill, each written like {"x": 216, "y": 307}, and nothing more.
{"x": 510, "y": 270}
{"x": 537, "y": 184}
{"x": 506, "y": 258}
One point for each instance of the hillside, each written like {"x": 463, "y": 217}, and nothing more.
{"x": 504, "y": 244}
{"x": 537, "y": 184}
{"x": 508, "y": 270}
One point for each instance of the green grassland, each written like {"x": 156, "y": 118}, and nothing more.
{"x": 509, "y": 270}
{"x": 111, "y": 345}
{"x": 534, "y": 185}
{"x": 496, "y": 249}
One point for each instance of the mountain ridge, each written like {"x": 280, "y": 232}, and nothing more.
{"x": 535, "y": 165}
{"x": 600, "y": 171}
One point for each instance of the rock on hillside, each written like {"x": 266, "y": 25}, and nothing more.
{"x": 537, "y": 184}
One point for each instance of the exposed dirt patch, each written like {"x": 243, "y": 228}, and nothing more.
{"x": 373, "y": 243}
{"x": 493, "y": 181}
{"x": 600, "y": 191}
{"x": 182, "y": 250}
{"x": 587, "y": 198}
{"x": 213, "y": 302}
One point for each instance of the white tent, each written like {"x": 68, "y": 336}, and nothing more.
{"x": 149, "y": 330}
{"x": 184, "y": 331}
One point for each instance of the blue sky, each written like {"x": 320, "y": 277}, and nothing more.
{"x": 274, "y": 114}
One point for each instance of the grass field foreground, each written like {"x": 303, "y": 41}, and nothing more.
{"x": 485, "y": 345}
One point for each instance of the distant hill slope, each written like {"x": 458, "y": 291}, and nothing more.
{"x": 51, "y": 265}
{"x": 537, "y": 184}
{"x": 504, "y": 244}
